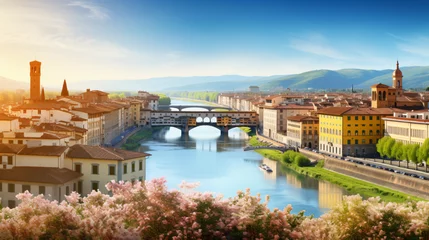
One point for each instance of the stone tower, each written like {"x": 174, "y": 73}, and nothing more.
{"x": 397, "y": 80}
{"x": 35, "y": 80}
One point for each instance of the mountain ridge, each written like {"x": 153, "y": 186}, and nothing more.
{"x": 414, "y": 77}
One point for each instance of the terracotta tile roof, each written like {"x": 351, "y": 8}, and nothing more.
{"x": 43, "y": 151}
{"x": 11, "y": 148}
{"x": 42, "y": 106}
{"x": 339, "y": 111}
{"x": 97, "y": 152}
{"x": 300, "y": 118}
{"x": 59, "y": 128}
{"x": 78, "y": 119}
{"x": 380, "y": 85}
{"x": 39, "y": 175}
{"x": 4, "y": 117}
{"x": 89, "y": 110}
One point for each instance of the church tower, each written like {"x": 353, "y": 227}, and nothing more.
{"x": 64, "y": 91}
{"x": 397, "y": 80}
{"x": 35, "y": 80}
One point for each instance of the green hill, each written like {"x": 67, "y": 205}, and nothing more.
{"x": 414, "y": 77}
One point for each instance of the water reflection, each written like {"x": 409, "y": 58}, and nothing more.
{"x": 219, "y": 163}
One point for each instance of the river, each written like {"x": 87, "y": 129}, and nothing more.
{"x": 220, "y": 165}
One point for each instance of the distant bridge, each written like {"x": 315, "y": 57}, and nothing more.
{"x": 186, "y": 120}
{"x": 282, "y": 149}
{"x": 181, "y": 107}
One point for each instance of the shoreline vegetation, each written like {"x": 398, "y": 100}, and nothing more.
{"x": 133, "y": 142}
{"x": 352, "y": 185}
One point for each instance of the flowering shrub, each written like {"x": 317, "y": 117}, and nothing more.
{"x": 150, "y": 211}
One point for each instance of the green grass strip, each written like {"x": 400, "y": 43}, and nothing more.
{"x": 352, "y": 185}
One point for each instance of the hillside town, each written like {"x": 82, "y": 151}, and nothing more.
{"x": 56, "y": 146}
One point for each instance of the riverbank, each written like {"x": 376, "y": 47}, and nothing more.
{"x": 133, "y": 141}
{"x": 352, "y": 185}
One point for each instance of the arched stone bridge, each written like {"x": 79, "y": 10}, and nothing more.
{"x": 186, "y": 120}
{"x": 181, "y": 107}
{"x": 282, "y": 149}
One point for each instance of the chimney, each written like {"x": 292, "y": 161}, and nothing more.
{"x": 88, "y": 90}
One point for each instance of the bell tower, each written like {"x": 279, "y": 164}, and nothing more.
{"x": 35, "y": 80}
{"x": 397, "y": 80}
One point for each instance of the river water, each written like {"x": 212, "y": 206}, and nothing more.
{"x": 220, "y": 165}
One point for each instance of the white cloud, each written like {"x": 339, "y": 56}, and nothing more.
{"x": 315, "y": 44}
{"x": 96, "y": 12}
{"x": 417, "y": 45}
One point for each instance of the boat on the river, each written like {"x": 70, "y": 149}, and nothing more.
{"x": 264, "y": 167}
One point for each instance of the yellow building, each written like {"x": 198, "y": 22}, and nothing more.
{"x": 303, "y": 131}
{"x": 349, "y": 131}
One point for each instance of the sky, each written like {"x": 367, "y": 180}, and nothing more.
{"x": 138, "y": 39}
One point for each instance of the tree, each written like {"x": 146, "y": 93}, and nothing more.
{"x": 405, "y": 148}
{"x": 387, "y": 147}
{"x": 424, "y": 151}
{"x": 398, "y": 151}
{"x": 380, "y": 145}
{"x": 412, "y": 153}
{"x": 427, "y": 89}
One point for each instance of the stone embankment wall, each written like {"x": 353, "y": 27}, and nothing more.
{"x": 406, "y": 184}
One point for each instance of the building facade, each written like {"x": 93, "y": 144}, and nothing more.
{"x": 303, "y": 131}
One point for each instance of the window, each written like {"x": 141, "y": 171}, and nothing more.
{"x": 370, "y": 141}
{"x": 42, "y": 190}
{"x": 125, "y": 168}
{"x": 363, "y": 132}
{"x": 94, "y": 169}
{"x": 349, "y": 133}
{"x": 356, "y": 133}
{"x": 140, "y": 179}
{"x": 378, "y": 117}
{"x": 39, "y": 111}
{"x": 10, "y": 141}
{"x": 356, "y": 141}
{"x": 349, "y": 118}
{"x": 10, "y": 160}
{"x": 79, "y": 187}
{"x": 26, "y": 188}
{"x": 78, "y": 167}
{"x": 349, "y": 141}
{"x": 112, "y": 170}
{"x": 1, "y": 186}
{"x": 133, "y": 167}
{"x": 356, "y": 118}
{"x": 370, "y": 117}
{"x": 67, "y": 190}
{"x": 140, "y": 165}
{"x": 378, "y": 132}
{"x": 11, "y": 187}
{"x": 363, "y": 117}
{"x": 94, "y": 185}
{"x": 11, "y": 203}
{"x": 363, "y": 141}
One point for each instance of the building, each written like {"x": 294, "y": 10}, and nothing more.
{"x": 8, "y": 123}
{"x": 303, "y": 131}
{"x": 55, "y": 171}
{"x": 350, "y": 131}
{"x": 275, "y": 118}
{"x": 408, "y": 127}
{"x": 95, "y": 96}
{"x": 383, "y": 96}
{"x": 35, "y": 73}
{"x": 100, "y": 165}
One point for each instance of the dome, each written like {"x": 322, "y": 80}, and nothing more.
{"x": 397, "y": 72}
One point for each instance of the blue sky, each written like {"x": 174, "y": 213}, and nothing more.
{"x": 136, "y": 39}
